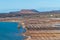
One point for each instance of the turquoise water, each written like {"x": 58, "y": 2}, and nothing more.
{"x": 9, "y": 31}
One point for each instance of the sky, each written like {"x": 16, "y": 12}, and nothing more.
{"x": 40, "y": 5}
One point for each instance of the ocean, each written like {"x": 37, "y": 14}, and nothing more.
{"x": 9, "y": 31}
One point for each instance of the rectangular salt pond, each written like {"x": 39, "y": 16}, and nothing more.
{"x": 9, "y": 31}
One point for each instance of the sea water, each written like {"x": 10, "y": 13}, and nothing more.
{"x": 9, "y": 31}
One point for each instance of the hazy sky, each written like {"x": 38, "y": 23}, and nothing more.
{"x": 41, "y": 5}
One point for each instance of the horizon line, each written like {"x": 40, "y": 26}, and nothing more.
{"x": 14, "y": 10}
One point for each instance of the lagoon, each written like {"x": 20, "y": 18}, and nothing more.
{"x": 9, "y": 31}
